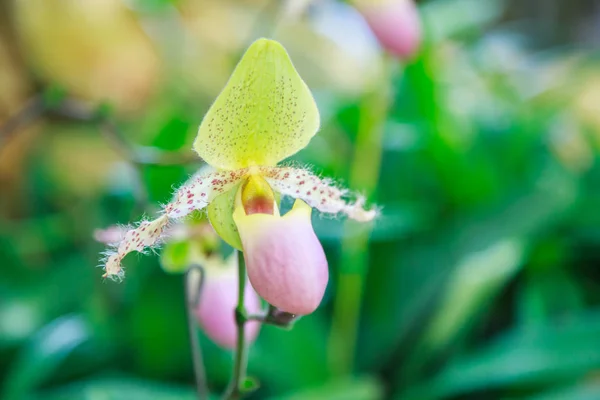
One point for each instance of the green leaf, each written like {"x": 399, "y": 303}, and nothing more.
{"x": 43, "y": 355}
{"x": 364, "y": 388}
{"x": 477, "y": 278}
{"x": 544, "y": 354}
{"x": 302, "y": 350}
{"x": 121, "y": 388}
{"x": 413, "y": 277}
{"x": 583, "y": 391}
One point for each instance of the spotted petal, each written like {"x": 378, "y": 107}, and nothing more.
{"x": 194, "y": 195}
{"x": 264, "y": 114}
{"x": 321, "y": 194}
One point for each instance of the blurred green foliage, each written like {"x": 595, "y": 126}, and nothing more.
{"x": 483, "y": 278}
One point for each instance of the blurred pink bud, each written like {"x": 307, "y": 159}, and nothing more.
{"x": 216, "y": 306}
{"x": 395, "y": 23}
{"x": 112, "y": 234}
{"x": 285, "y": 260}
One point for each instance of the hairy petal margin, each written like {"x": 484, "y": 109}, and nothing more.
{"x": 195, "y": 194}
{"x": 321, "y": 194}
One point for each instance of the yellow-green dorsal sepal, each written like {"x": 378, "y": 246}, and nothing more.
{"x": 264, "y": 114}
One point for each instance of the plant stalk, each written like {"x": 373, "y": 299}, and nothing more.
{"x": 364, "y": 175}
{"x": 193, "y": 286}
{"x": 239, "y": 367}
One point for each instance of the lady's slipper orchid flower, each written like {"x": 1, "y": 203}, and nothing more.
{"x": 264, "y": 114}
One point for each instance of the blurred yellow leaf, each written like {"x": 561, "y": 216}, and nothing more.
{"x": 95, "y": 49}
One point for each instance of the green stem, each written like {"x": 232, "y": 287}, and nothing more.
{"x": 355, "y": 247}
{"x": 193, "y": 286}
{"x": 239, "y": 367}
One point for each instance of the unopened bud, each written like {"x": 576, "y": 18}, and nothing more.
{"x": 395, "y": 23}
{"x": 217, "y": 302}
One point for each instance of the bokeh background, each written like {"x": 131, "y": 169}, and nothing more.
{"x": 481, "y": 280}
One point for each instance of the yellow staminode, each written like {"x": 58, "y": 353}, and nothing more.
{"x": 264, "y": 114}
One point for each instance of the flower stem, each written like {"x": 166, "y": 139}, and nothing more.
{"x": 193, "y": 286}
{"x": 239, "y": 367}
{"x": 355, "y": 248}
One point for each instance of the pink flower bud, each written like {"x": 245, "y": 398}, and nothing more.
{"x": 112, "y": 234}
{"x": 216, "y": 306}
{"x": 395, "y": 23}
{"x": 285, "y": 260}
